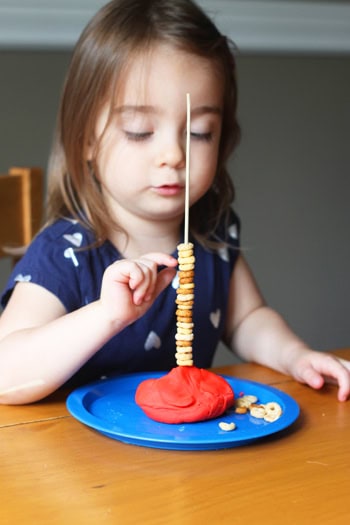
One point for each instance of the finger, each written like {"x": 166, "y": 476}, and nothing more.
{"x": 311, "y": 377}
{"x": 152, "y": 261}
{"x": 346, "y": 364}
{"x": 136, "y": 276}
{"x": 126, "y": 272}
{"x": 143, "y": 275}
{"x": 343, "y": 377}
{"x": 339, "y": 370}
{"x": 164, "y": 279}
{"x": 331, "y": 370}
{"x": 145, "y": 287}
{"x": 343, "y": 392}
{"x": 161, "y": 259}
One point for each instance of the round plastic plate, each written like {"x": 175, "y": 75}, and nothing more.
{"x": 108, "y": 406}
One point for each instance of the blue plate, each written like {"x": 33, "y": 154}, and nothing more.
{"x": 109, "y": 407}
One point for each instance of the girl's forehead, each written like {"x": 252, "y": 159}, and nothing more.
{"x": 164, "y": 70}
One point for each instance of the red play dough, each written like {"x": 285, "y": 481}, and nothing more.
{"x": 184, "y": 395}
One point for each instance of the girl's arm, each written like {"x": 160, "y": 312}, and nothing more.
{"x": 257, "y": 333}
{"x": 41, "y": 346}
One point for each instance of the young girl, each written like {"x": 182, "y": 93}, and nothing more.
{"x": 95, "y": 292}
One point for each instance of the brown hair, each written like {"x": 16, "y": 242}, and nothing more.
{"x": 118, "y": 31}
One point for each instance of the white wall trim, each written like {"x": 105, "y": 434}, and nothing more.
{"x": 255, "y": 26}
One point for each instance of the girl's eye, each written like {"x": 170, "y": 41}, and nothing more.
{"x": 202, "y": 136}
{"x": 138, "y": 136}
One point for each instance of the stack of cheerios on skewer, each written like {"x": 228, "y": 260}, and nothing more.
{"x": 187, "y": 393}
{"x": 184, "y": 302}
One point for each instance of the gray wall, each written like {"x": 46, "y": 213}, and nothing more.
{"x": 291, "y": 173}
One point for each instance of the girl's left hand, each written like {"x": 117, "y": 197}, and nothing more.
{"x": 317, "y": 368}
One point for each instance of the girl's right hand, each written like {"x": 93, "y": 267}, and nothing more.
{"x": 129, "y": 287}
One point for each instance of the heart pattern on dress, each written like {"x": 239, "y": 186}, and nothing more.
{"x": 215, "y": 318}
{"x": 75, "y": 238}
{"x": 233, "y": 231}
{"x": 20, "y": 278}
{"x": 153, "y": 341}
{"x": 69, "y": 254}
{"x": 223, "y": 254}
{"x": 175, "y": 281}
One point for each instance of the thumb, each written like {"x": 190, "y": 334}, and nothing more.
{"x": 164, "y": 278}
{"x": 311, "y": 377}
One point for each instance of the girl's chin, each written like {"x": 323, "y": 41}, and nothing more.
{"x": 170, "y": 217}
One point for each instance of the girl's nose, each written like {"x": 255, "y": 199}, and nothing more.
{"x": 172, "y": 153}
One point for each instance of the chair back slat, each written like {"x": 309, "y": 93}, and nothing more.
{"x": 21, "y": 209}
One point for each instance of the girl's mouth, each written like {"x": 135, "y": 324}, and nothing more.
{"x": 168, "y": 190}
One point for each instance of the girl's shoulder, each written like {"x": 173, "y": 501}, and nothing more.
{"x": 65, "y": 232}
{"x": 62, "y": 259}
{"x": 70, "y": 247}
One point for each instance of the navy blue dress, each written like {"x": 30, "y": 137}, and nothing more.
{"x": 56, "y": 261}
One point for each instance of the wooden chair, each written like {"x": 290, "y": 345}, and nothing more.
{"x": 21, "y": 209}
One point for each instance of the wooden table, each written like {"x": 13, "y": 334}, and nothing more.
{"x": 54, "y": 470}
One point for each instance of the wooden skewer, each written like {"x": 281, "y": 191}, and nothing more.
{"x": 187, "y": 183}
{"x": 185, "y": 291}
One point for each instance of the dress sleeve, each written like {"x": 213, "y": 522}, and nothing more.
{"x": 50, "y": 262}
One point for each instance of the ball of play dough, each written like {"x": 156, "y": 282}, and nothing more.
{"x": 186, "y": 394}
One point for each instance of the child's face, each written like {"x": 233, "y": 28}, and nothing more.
{"x": 142, "y": 154}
